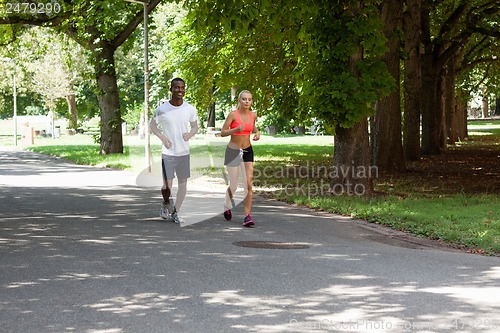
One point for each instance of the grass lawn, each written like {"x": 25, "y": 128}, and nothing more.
{"x": 454, "y": 197}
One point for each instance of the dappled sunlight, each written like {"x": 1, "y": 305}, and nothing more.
{"x": 119, "y": 197}
{"x": 484, "y": 297}
{"x": 13, "y": 241}
{"x": 70, "y": 216}
{"x": 97, "y": 241}
{"x": 38, "y": 227}
{"x": 74, "y": 276}
{"x": 492, "y": 274}
{"x": 20, "y": 284}
{"x": 334, "y": 256}
{"x": 253, "y": 305}
{"x": 86, "y": 276}
{"x": 347, "y": 292}
{"x": 227, "y": 257}
{"x": 137, "y": 303}
{"x": 353, "y": 277}
{"x": 351, "y": 308}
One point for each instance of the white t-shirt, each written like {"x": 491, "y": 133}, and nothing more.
{"x": 173, "y": 121}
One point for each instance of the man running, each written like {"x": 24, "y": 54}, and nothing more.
{"x": 174, "y": 123}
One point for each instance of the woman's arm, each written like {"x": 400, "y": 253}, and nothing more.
{"x": 226, "y": 130}
{"x": 255, "y": 129}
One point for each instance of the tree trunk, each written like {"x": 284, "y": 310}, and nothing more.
{"x": 412, "y": 81}
{"x": 211, "y": 109}
{"x": 463, "y": 114}
{"x": 441, "y": 112}
{"x": 497, "y": 107}
{"x": 73, "y": 116}
{"x": 450, "y": 104}
{"x": 387, "y": 146}
{"x": 211, "y": 115}
{"x": 351, "y": 158}
{"x": 433, "y": 112}
{"x": 109, "y": 104}
{"x": 352, "y": 174}
{"x": 435, "y": 58}
{"x": 430, "y": 130}
{"x": 462, "y": 121}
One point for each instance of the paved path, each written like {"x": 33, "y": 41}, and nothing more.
{"x": 82, "y": 250}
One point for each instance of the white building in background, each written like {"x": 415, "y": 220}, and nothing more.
{"x": 476, "y": 106}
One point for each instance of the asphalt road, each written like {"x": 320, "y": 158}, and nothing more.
{"x": 82, "y": 249}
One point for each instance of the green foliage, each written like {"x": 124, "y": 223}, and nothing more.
{"x": 132, "y": 115}
{"x": 49, "y": 67}
{"x": 130, "y": 76}
{"x": 100, "y": 27}
{"x": 34, "y": 110}
{"x": 294, "y": 56}
{"x": 86, "y": 101}
{"x": 337, "y": 90}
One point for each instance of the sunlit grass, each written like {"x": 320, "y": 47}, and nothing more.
{"x": 484, "y": 127}
{"x": 470, "y": 221}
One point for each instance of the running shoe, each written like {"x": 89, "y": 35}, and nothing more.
{"x": 170, "y": 207}
{"x": 227, "y": 214}
{"x": 248, "y": 222}
{"x": 175, "y": 216}
{"x": 164, "y": 211}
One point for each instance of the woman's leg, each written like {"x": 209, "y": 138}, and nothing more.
{"x": 233, "y": 173}
{"x": 247, "y": 202}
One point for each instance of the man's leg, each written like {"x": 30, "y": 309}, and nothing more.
{"x": 167, "y": 181}
{"x": 167, "y": 205}
{"x": 165, "y": 192}
{"x": 181, "y": 193}
{"x": 183, "y": 172}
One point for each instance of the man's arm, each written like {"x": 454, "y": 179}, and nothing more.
{"x": 192, "y": 132}
{"x": 154, "y": 128}
{"x": 156, "y": 131}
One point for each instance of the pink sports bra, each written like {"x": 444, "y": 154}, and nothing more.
{"x": 237, "y": 122}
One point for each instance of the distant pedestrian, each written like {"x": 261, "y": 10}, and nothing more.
{"x": 239, "y": 124}
{"x": 174, "y": 123}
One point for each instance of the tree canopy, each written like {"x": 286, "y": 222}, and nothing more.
{"x": 99, "y": 27}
